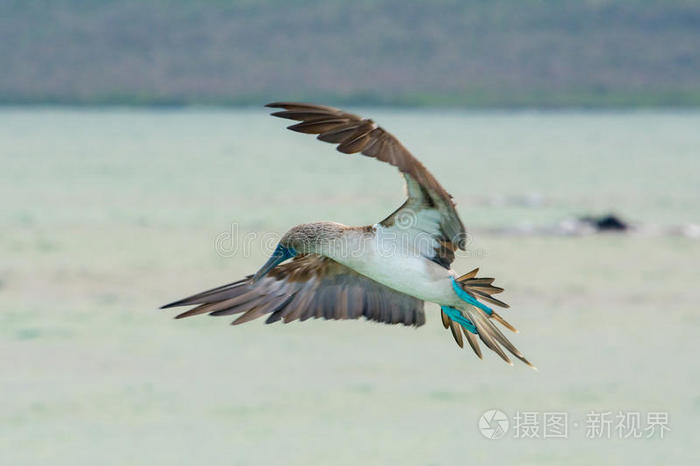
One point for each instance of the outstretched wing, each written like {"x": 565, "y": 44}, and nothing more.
{"x": 428, "y": 216}
{"x": 309, "y": 286}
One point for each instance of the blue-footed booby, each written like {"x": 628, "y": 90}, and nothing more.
{"x": 384, "y": 272}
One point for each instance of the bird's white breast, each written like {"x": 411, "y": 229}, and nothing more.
{"x": 389, "y": 262}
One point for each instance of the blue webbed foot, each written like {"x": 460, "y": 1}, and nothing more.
{"x": 456, "y": 315}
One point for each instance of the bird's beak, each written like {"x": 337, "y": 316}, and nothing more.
{"x": 280, "y": 255}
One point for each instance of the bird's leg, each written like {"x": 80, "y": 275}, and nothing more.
{"x": 457, "y": 316}
{"x": 464, "y": 296}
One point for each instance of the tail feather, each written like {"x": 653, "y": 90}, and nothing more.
{"x": 486, "y": 333}
{"x": 490, "y": 299}
{"x": 481, "y": 288}
{"x": 474, "y": 343}
{"x": 491, "y": 336}
{"x": 483, "y": 317}
{"x": 445, "y": 320}
{"x": 488, "y": 289}
{"x": 467, "y": 275}
{"x": 457, "y": 333}
{"x": 503, "y": 322}
{"x": 479, "y": 281}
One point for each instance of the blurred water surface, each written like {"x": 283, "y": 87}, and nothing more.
{"x": 106, "y": 214}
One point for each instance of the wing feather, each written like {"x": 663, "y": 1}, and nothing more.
{"x": 354, "y": 134}
{"x": 310, "y": 286}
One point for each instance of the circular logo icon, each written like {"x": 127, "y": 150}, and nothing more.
{"x": 406, "y": 219}
{"x": 493, "y": 424}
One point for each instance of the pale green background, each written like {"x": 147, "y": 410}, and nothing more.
{"x": 107, "y": 214}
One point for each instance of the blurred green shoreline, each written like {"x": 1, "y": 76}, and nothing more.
{"x": 485, "y": 100}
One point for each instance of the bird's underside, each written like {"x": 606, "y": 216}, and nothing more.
{"x": 315, "y": 286}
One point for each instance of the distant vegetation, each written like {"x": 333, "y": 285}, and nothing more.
{"x": 478, "y": 52}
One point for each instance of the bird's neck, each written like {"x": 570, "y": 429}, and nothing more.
{"x": 345, "y": 242}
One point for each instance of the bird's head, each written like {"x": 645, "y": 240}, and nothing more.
{"x": 308, "y": 238}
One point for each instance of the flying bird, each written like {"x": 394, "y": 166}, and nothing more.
{"x": 384, "y": 272}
